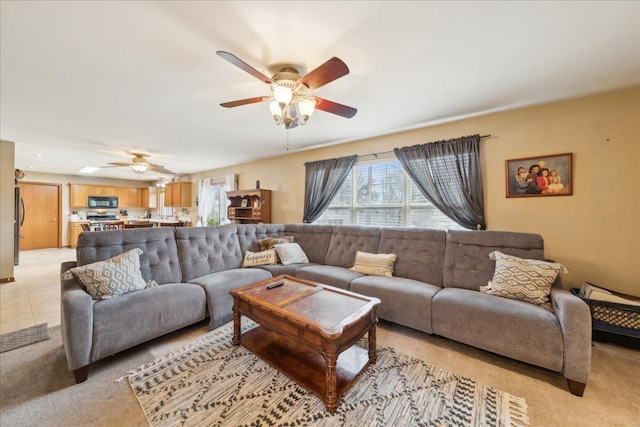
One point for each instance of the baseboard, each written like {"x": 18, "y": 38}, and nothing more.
{"x": 7, "y": 279}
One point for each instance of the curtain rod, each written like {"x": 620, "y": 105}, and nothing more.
{"x": 391, "y": 151}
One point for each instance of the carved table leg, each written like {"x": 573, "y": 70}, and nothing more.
{"x": 236, "y": 328}
{"x": 331, "y": 398}
{"x": 372, "y": 344}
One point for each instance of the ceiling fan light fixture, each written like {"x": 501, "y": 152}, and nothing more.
{"x": 282, "y": 94}
{"x": 276, "y": 111}
{"x": 141, "y": 167}
{"x": 306, "y": 107}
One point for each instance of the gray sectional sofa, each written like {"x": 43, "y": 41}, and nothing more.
{"x": 435, "y": 289}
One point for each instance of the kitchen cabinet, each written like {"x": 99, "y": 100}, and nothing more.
{"x": 135, "y": 197}
{"x": 123, "y": 197}
{"x": 177, "y": 194}
{"x": 78, "y": 195}
{"x": 149, "y": 197}
{"x": 75, "y": 229}
{"x": 249, "y": 206}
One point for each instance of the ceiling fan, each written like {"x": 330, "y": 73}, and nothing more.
{"x": 139, "y": 164}
{"x": 291, "y": 103}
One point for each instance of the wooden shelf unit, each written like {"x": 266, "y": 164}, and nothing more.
{"x": 249, "y": 206}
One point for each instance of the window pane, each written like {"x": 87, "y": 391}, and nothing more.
{"x": 391, "y": 217}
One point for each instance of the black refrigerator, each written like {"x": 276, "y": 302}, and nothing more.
{"x": 18, "y": 216}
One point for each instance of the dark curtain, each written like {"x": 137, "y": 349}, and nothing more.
{"x": 323, "y": 180}
{"x": 448, "y": 174}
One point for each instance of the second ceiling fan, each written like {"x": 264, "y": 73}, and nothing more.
{"x": 291, "y": 103}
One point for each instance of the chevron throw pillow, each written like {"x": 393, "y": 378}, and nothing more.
{"x": 523, "y": 279}
{"x": 115, "y": 276}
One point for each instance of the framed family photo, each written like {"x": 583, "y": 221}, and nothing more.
{"x": 539, "y": 176}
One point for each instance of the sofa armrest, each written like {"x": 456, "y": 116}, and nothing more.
{"x": 575, "y": 321}
{"x": 76, "y": 320}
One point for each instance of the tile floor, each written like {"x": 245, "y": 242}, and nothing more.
{"x": 35, "y": 295}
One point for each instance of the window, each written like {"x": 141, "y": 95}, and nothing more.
{"x": 380, "y": 193}
{"x": 212, "y": 199}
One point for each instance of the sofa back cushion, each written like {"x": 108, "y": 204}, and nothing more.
{"x": 346, "y": 240}
{"x": 313, "y": 239}
{"x": 159, "y": 259}
{"x": 466, "y": 262}
{"x": 420, "y": 252}
{"x": 205, "y": 250}
{"x": 249, "y": 234}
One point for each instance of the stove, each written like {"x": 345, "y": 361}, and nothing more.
{"x": 101, "y": 216}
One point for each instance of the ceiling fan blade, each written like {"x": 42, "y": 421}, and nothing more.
{"x": 335, "y": 108}
{"x": 240, "y": 102}
{"x": 326, "y": 73}
{"x": 243, "y": 66}
{"x": 160, "y": 169}
{"x": 118, "y": 164}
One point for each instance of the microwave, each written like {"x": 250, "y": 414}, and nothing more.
{"x": 103, "y": 202}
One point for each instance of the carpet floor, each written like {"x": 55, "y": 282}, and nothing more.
{"x": 36, "y": 388}
{"x": 214, "y": 383}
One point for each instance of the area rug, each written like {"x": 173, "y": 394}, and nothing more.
{"x": 214, "y": 383}
{"x": 22, "y": 337}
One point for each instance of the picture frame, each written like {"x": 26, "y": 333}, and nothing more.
{"x": 534, "y": 181}
{"x": 244, "y": 203}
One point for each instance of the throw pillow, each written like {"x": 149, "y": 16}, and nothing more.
{"x": 251, "y": 259}
{"x": 374, "y": 264}
{"x": 291, "y": 253}
{"x": 115, "y": 276}
{"x": 270, "y": 242}
{"x": 523, "y": 279}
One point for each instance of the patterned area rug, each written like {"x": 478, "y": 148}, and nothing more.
{"x": 26, "y": 336}
{"x": 213, "y": 383}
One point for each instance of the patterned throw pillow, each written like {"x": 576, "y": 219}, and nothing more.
{"x": 374, "y": 264}
{"x": 115, "y": 276}
{"x": 291, "y": 253}
{"x": 527, "y": 280}
{"x": 270, "y": 242}
{"x": 251, "y": 259}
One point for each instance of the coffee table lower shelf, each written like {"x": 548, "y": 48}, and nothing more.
{"x": 305, "y": 367}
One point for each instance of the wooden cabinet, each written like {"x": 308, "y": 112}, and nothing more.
{"x": 123, "y": 197}
{"x": 103, "y": 190}
{"x": 79, "y": 196}
{"x": 135, "y": 197}
{"x": 249, "y": 206}
{"x": 149, "y": 197}
{"x": 75, "y": 229}
{"x": 177, "y": 194}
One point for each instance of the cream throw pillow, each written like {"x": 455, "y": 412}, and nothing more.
{"x": 115, "y": 276}
{"x": 291, "y": 253}
{"x": 270, "y": 242}
{"x": 523, "y": 279}
{"x": 374, "y": 264}
{"x": 252, "y": 259}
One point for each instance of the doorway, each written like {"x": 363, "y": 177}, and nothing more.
{"x": 42, "y": 227}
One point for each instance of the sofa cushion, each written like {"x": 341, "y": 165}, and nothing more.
{"x": 291, "y": 253}
{"x": 508, "y": 327}
{"x": 374, "y": 264}
{"x": 466, "y": 262}
{"x": 339, "y": 277}
{"x": 159, "y": 261}
{"x": 347, "y": 240}
{"x": 249, "y": 234}
{"x": 420, "y": 252}
{"x": 136, "y": 317}
{"x": 217, "y": 287}
{"x": 523, "y": 279}
{"x": 205, "y": 250}
{"x": 404, "y": 301}
{"x": 279, "y": 269}
{"x": 116, "y": 276}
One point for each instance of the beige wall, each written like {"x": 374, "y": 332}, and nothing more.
{"x": 595, "y": 232}
{"x": 7, "y": 168}
{"x": 76, "y": 179}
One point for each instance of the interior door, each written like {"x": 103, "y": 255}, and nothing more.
{"x": 42, "y": 210}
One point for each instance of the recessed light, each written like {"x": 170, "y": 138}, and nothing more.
{"x": 31, "y": 167}
{"x": 88, "y": 169}
{"x": 38, "y": 155}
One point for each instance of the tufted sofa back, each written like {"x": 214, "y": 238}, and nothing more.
{"x": 346, "y": 240}
{"x": 420, "y": 252}
{"x": 158, "y": 262}
{"x": 205, "y": 250}
{"x": 466, "y": 261}
{"x": 313, "y": 239}
{"x": 249, "y": 234}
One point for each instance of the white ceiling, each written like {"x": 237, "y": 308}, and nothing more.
{"x": 83, "y": 83}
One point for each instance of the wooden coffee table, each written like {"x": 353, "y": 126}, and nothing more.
{"x": 307, "y": 331}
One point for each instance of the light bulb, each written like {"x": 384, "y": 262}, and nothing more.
{"x": 282, "y": 94}
{"x": 306, "y": 107}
